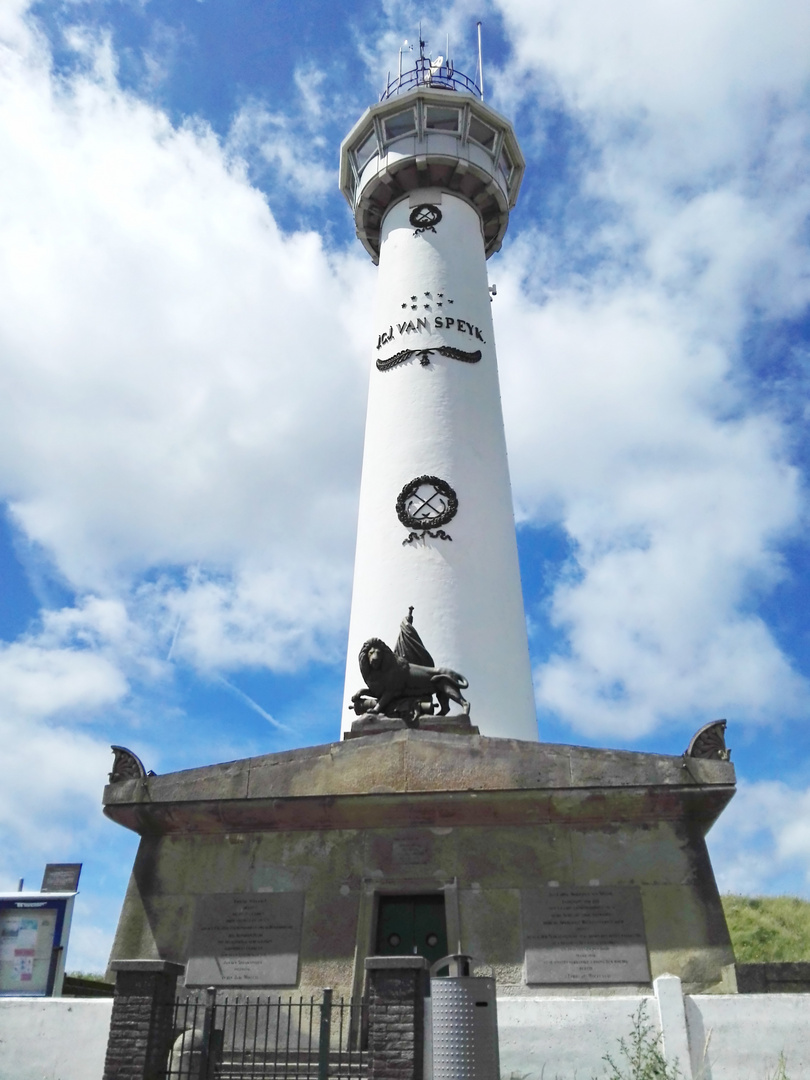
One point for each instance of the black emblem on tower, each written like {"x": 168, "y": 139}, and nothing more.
{"x": 425, "y": 218}
{"x": 425, "y": 504}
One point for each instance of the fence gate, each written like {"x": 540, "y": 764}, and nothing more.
{"x": 222, "y": 1038}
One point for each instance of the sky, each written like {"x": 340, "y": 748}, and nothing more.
{"x": 185, "y": 341}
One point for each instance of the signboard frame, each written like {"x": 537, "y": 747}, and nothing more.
{"x": 62, "y": 905}
{"x": 69, "y": 873}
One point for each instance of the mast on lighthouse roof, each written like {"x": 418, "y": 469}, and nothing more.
{"x": 431, "y": 173}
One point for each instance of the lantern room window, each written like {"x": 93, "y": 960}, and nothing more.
{"x": 505, "y": 166}
{"x": 482, "y": 133}
{"x": 439, "y": 118}
{"x": 366, "y": 151}
{"x": 401, "y": 123}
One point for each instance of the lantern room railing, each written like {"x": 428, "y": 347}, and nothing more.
{"x": 435, "y": 74}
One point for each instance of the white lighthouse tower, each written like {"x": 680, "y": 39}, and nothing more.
{"x": 431, "y": 173}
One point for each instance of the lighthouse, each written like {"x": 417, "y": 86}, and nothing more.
{"x": 433, "y": 827}
{"x": 431, "y": 174}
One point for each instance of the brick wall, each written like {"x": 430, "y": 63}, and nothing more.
{"x": 140, "y": 1036}
{"x": 397, "y": 986}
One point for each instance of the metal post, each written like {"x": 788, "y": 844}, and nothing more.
{"x": 206, "y": 1057}
{"x": 480, "y": 64}
{"x": 325, "y": 1035}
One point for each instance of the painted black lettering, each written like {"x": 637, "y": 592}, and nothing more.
{"x": 422, "y": 323}
{"x": 478, "y": 334}
{"x": 410, "y": 327}
{"x": 438, "y": 323}
{"x": 448, "y": 322}
{"x": 402, "y": 326}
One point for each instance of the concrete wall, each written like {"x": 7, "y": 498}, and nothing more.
{"x": 53, "y": 1038}
{"x": 712, "y": 1036}
{"x": 740, "y": 1038}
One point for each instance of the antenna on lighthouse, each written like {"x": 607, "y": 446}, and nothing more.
{"x": 480, "y": 64}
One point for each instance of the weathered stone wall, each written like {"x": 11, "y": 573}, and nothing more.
{"x": 482, "y": 819}
{"x": 340, "y": 871}
{"x": 776, "y": 978}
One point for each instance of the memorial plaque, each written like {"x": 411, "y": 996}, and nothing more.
{"x": 410, "y": 852}
{"x": 61, "y": 877}
{"x": 584, "y": 935}
{"x": 246, "y": 939}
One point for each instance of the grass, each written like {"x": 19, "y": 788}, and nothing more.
{"x": 768, "y": 929}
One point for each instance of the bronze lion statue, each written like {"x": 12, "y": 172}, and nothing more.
{"x": 399, "y": 688}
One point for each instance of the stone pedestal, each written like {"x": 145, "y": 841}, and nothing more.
{"x": 491, "y": 826}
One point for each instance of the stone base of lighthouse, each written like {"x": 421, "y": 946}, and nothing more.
{"x": 561, "y": 869}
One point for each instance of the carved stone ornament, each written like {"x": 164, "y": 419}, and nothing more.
{"x": 401, "y": 683}
{"x": 710, "y": 742}
{"x": 425, "y": 217}
{"x": 425, "y": 504}
{"x": 126, "y": 766}
{"x": 424, "y": 356}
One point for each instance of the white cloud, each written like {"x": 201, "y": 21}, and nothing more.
{"x": 39, "y": 682}
{"x": 690, "y": 60}
{"x": 625, "y": 428}
{"x": 275, "y": 138}
{"x": 182, "y": 383}
{"x": 761, "y": 843}
{"x": 629, "y": 415}
{"x": 279, "y": 618}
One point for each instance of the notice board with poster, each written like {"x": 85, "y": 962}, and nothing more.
{"x": 33, "y": 938}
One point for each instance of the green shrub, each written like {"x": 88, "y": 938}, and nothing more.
{"x": 640, "y": 1056}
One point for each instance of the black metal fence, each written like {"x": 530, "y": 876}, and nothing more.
{"x": 224, "y": 1038}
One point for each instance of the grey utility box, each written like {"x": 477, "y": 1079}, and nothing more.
{"x": 464, "y": 1023}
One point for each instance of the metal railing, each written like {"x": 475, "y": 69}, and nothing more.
{"x": 223, "y": 1038}
{"x": 426, "y": 73}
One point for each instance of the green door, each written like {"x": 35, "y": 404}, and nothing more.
{"x": 412, "y": 926}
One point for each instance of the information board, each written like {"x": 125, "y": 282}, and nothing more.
{"x": 584, "y": 935}
{"x": 246, "y": 939}
{"x": 27, "y": 935}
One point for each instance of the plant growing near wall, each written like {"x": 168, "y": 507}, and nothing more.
{"x": 781, "y": 1069}
{"x": 640, "y": 1056}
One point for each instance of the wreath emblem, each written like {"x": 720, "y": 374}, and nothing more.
{"x": 425, "y": 504}
{"x": 425, "y": 217}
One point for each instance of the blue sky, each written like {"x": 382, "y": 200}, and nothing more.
{"x": 185, "y": 335}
